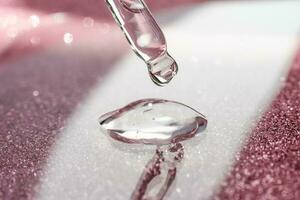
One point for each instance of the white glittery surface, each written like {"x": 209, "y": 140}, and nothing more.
{"x": 230, "y": 68}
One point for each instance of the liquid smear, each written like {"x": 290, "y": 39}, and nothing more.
{"x": 145, "y": 37}
{"x": 155, "y": 122}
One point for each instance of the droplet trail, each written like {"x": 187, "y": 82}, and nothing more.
{"x": 163, "y": 163}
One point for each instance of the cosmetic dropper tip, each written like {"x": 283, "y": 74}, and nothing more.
{"x": 162, "y": 69}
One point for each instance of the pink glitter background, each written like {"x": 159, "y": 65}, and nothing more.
{"x": 36, "y": 100}
{"x": 268, "y": 167}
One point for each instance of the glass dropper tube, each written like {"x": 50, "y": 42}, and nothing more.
{"x": 145, "y": 37}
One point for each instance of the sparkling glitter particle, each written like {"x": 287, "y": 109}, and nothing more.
{"x": 35, "y": 93}
{"x": 88, "y": 22}
{"x": 68, "y": 38}
{"x": 35, "y": 40}
{"x": 34, "y": 20}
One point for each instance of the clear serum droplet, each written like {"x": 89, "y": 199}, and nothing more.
{"x": 145, "y": 37}
{"x": 155, "y": 122}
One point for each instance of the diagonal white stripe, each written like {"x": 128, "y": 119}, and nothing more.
{"x": 230, "y": 68}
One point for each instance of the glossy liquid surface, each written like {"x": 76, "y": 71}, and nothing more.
{"x": 153, "y": 121}
{"x": 145, "y": 37}
{"x": 158, "y": 122}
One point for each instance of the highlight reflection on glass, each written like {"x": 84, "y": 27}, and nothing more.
{"x": 145, "y": 37}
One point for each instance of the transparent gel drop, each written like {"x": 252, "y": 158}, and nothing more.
{"x": 153, "y": 121}
{"x": 145, "y": 37}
